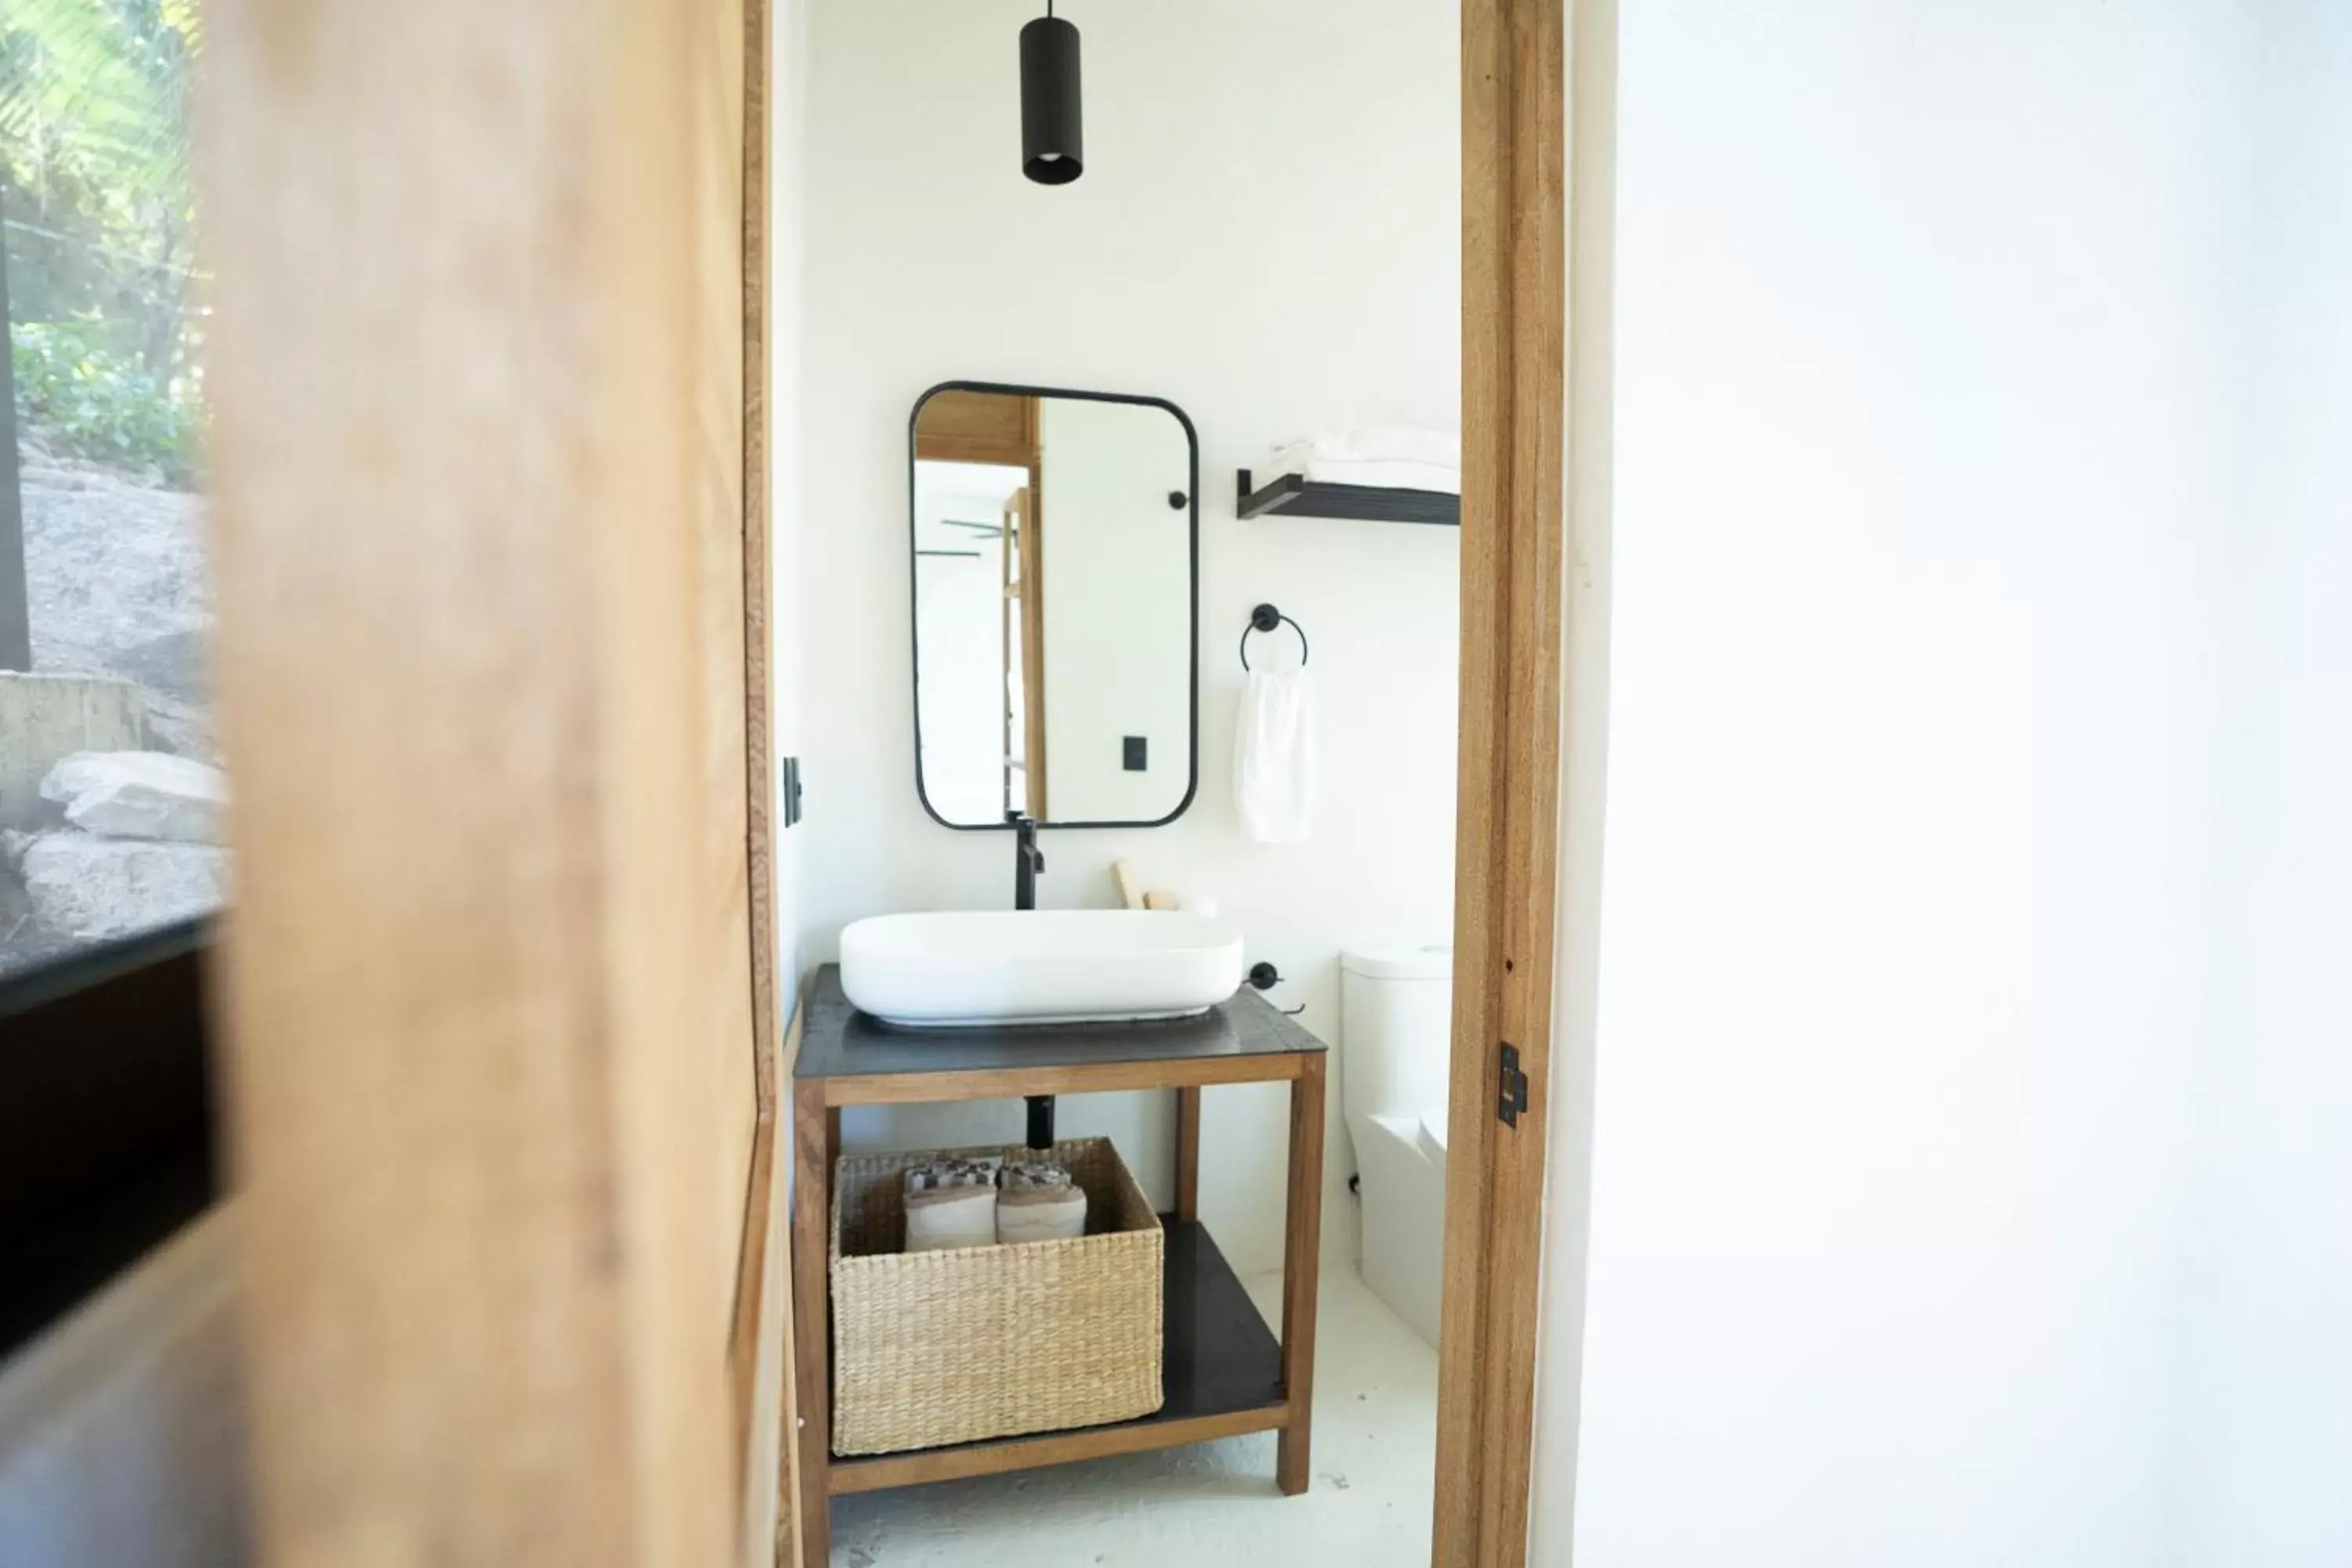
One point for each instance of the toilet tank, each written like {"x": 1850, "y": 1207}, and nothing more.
{"x": 1396, "y": 1022}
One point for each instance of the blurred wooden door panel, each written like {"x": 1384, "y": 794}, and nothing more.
{"x": 478, "y": 383}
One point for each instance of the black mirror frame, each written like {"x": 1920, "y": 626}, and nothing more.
{"x": 1192, "y": 668}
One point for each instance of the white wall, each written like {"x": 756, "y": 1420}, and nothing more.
{"x": 1267, "y": 234}
{"x": 1928, "y": 602}
{"x": 2264, "y": 1441}
{"x": 1118, "y": 611}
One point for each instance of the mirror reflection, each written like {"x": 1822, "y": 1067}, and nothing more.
{"x": 1053, "y": 604}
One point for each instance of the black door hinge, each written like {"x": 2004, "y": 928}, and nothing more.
{"x": 790, "y": 769}
{"x": 1514, "y": 1096}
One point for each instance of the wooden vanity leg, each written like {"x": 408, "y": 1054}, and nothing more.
{"x": 1301, "y": 1263}
{"x": 1188, "y": 1154}
{"x": 816, "y": 1129}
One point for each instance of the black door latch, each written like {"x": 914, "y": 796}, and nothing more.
{"x": 1514, "y": 1096}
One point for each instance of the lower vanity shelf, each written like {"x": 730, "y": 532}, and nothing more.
{"x": 1221, "y": 1371}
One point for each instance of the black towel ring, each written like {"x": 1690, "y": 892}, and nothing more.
{"x": 1265, "y": 618}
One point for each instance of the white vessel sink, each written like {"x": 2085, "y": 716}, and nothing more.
{"x": 1038, "y": 966}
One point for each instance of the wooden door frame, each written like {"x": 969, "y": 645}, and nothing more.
{"x": 1514, "y": 533}
{"x": 760, "y": 1342}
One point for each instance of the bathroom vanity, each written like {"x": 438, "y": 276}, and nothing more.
{"x": 1054, "y": 546}
{"x": 1225, "y": 1373}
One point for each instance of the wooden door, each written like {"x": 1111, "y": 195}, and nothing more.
{"x": 478, "y": 379}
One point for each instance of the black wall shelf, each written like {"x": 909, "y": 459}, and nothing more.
{"x": 1294, "y": 495}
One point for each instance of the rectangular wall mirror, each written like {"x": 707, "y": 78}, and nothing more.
{"x": 1056, "y": 562}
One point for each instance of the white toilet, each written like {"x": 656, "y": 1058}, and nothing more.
{"x": 1396, "y": 1020}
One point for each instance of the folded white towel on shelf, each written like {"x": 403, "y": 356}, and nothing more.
{"x": 1429, "y": 448}
{"x": 1273, "y": 757}
{"x": 1377, "y": 474}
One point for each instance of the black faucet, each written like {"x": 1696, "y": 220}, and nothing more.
{"x": 1027, "y": 860}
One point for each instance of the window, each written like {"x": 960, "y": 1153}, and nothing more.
{"x": 110, "y": 790}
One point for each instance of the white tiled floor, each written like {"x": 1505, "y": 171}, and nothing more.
{"x": 1214, "y": 1503}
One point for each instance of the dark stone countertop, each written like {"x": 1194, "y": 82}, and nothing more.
{"x": 839, "y": 1041}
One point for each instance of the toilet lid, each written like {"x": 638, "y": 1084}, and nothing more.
{"x": 1433, "y": 1136}
{"x": 1400, "y": 961}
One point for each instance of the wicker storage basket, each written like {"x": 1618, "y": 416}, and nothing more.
{"x": 969, "y": 1344}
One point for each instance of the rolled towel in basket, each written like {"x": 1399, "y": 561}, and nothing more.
{"x": 950, "y": 1203}
{"x": 951, "y": 1172}
{"x": 1039, "y": 1203}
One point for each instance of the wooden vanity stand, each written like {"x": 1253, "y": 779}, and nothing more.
{"x": 1223, "y": 1372}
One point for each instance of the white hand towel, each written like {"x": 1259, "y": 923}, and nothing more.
{"x": 1273, "y": 757}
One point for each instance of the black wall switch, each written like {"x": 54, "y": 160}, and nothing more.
{"x": 1136, "y": 751}
{"x": 791, "y": 769}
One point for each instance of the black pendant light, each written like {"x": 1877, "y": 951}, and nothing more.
{"x": 1052, "y": 143}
